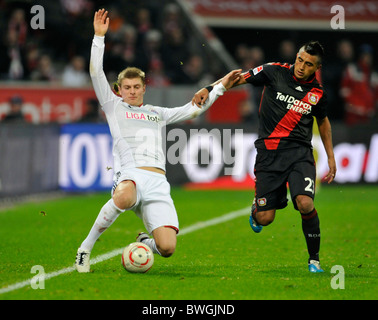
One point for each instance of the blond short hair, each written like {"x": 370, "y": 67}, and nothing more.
{"x": 129, "y": 73}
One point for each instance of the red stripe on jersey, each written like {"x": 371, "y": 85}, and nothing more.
{"x": 246, "y": 75}
{"x": 283, "y": 129}
{"x": 284, "y": 65}
{"x": 290, "y": 120}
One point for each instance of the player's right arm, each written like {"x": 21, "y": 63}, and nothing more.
{"x": 99, "y": 81}
{"x": 261, "y": 75}
{"x": 326, "y": 135}
{"x": 201, "y": 96}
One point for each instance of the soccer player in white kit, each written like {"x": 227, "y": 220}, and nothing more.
{"x": 140, "y": 183}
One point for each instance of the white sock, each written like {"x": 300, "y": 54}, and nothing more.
{"x": 152, "y": 244}
{"x": 108, "y": 214}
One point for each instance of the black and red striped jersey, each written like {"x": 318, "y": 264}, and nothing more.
{"x": 287, "y": 106}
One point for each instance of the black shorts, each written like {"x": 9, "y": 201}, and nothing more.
{"x": 274, "y": 170}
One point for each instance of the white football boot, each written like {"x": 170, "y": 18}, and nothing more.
{"x": 82, "y": 263}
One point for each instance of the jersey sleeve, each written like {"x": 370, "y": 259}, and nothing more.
{"x": 261, "y": 75}
{"x": 320, "y": 110}
{"x": 100, "y": 84}
{"x": 189, "y": 111}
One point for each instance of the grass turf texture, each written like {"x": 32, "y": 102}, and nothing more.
{"x": 224, "y": 261}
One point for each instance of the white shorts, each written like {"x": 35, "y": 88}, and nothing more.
{"x": 154, "y": 204}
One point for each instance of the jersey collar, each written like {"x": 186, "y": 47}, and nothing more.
{"x": 130, "y": 106}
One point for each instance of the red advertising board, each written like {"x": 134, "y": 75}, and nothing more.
{"x": 63, "y": 105}
{"x": 295, "y": 9}
{"x": 228, "y": 108}
{"x": 43, "y": 104}
{"x": 266, "y": 12}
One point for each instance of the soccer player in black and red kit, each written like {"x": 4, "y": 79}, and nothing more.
{"x": 292, "y": 96}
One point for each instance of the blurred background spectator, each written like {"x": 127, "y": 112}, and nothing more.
{"x": 45, "y": 70}
{"x": 75, "y": 74}
{"x": 332, "y": 72}
{"x": 287, "y": 51}
{"x": 156, "y": 76}
{"x": 93, "y": 113}
{"x": 12, "y": 53}
{"x": 359, "y": 88}
{"x": 15, "y": 114}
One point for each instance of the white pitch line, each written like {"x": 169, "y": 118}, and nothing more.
{"x": 214, "y": 221}
{"x": 106, "y": 256}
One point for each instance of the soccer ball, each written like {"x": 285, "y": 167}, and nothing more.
{"x": 137, "y": 257}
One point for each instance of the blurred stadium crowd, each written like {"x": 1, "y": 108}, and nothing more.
{"x": 151, "y": 35}
{"x": 155, "y": 36}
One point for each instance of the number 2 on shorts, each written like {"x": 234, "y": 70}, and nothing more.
{"x": 310, "y": 186}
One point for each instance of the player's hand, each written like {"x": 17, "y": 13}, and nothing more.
{"x": 332, "y": 171}
{"x": 200, "y": 97}
{"x": 101, "y": 22}
{"x": 231, "y": 78}
{"x": 228, "y": 81}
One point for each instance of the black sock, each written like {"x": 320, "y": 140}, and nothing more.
{"x": 311, "y": 231}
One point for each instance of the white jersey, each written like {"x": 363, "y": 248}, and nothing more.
{"x": 137, "y": 131}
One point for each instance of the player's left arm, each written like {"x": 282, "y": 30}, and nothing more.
{"x": 325, "y": 132}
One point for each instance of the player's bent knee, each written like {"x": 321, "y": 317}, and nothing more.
{"x": 166, "y": 246}
{"x": 266, "y": 221}
{"x": 165, "y": 239}
{"x": 265, "y": 217}
{"x": 305, "y": 204}
{"x": 166, "y": 250}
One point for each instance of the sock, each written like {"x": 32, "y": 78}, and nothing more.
{"x": 108, "y": 214}
{"x": 152, "y": 244}
{"x": 311, "y": 231}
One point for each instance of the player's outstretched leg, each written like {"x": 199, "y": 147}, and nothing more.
{"x": 108, "y": 214}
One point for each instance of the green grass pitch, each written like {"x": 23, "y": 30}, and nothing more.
{"x": 223, "y": 261}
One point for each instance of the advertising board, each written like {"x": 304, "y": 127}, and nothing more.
{"x": 219, "y": 156}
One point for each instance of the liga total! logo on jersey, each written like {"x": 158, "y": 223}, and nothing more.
{"x": 141, "y": 116}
